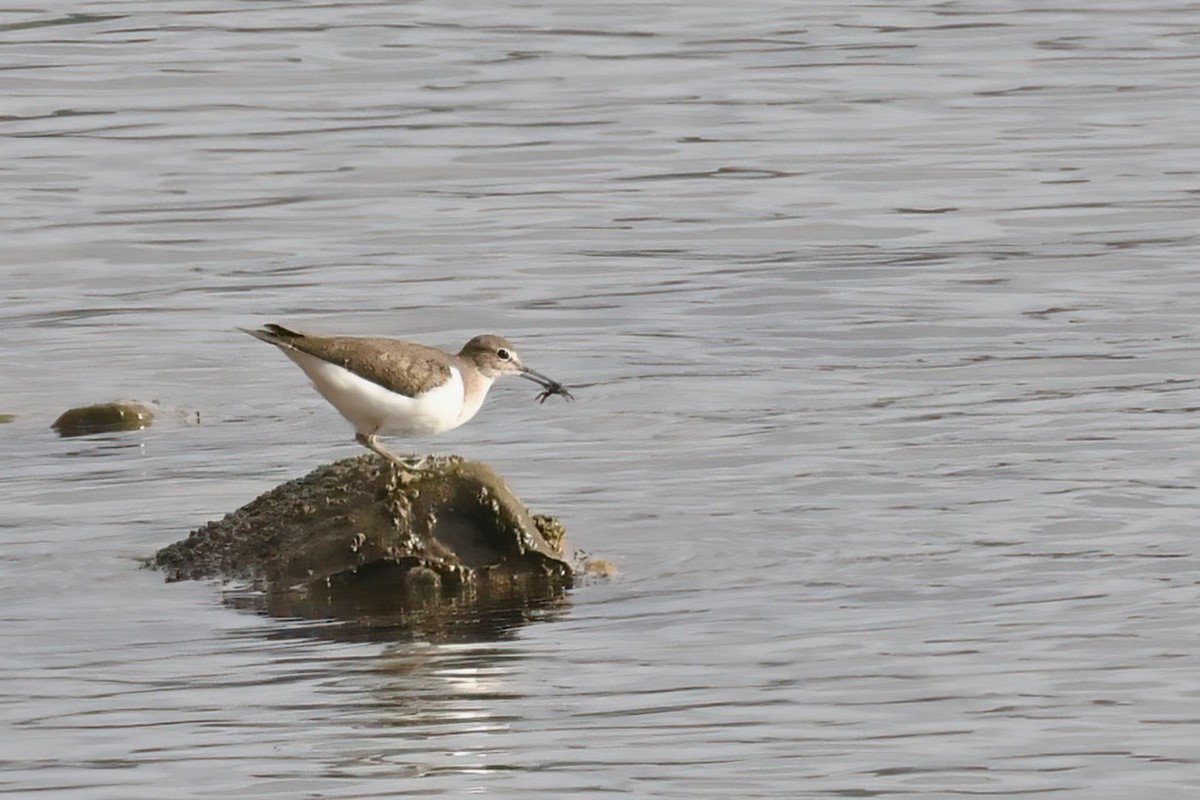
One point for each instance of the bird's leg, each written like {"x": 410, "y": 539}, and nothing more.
{"x": 370, "y": 442}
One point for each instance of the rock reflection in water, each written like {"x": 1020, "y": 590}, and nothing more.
{"x": 371, "y": 610}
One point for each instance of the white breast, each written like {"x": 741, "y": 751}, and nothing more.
{"x": 373, "y": 409}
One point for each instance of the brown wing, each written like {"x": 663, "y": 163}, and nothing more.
{"x": 404, "y": 367}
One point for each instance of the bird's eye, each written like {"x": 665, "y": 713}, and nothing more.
{"x": 502, "y": 354}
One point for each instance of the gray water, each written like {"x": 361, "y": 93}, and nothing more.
{"x": 884, "y": 323}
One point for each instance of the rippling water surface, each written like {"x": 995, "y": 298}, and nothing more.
{"x": 884, "y": 318}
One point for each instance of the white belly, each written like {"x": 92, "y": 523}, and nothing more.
{"x": 373, "y": 409}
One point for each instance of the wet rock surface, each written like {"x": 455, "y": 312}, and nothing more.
{"x": 103, "y": 418}
{"x": 361, "y": 536}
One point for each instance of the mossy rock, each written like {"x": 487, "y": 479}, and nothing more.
{"x": 362, "y": 533}
{"x": 103, "y": 418}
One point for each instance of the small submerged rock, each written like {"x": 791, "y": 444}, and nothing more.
{"x": 103, "y": 418}
{"x": 361, "y": 534}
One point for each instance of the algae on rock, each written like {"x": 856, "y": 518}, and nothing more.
{"x": 362, "y": 529}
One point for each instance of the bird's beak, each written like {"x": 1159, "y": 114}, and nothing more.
{"x": 538, "y": 378}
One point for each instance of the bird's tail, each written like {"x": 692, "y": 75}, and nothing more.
{"x": 274, "y": 334}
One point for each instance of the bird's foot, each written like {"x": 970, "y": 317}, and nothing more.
{"x": 412, "y": 463}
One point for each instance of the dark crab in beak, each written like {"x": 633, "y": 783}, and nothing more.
{"x": 549, "y": 387}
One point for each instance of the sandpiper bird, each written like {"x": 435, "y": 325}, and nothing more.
{"x": 387, "y": 386}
